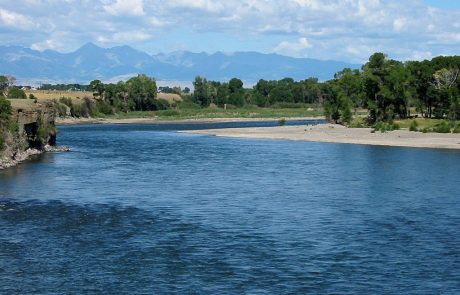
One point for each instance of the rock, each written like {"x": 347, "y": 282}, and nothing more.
{"x": 56, "y": 149}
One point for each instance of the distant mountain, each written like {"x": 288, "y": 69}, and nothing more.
{"x": 92, "y": 62}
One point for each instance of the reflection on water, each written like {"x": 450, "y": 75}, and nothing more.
{"x": 141, "y": 209}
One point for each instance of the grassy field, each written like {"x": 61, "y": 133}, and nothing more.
{"x": 421, "y": 122}
{"x": 210, "y": 113}
{"x": 77, "y": 96}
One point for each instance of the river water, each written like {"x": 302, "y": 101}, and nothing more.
{"x": 142, "y": 209}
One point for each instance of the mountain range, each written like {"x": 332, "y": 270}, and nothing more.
{"x": 118, "y": 63}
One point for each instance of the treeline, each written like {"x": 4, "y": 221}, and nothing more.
{"x": 137, "y": 94}
{"x": 389, "y": 89}
{"x": 386, "y": 88}
{"x": 263, "y": 94}
{"x": 65, "y": 87}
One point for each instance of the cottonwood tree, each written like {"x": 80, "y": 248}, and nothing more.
{"x": 444, "y": 80}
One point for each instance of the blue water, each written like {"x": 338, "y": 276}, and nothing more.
{"x": 142, "y": 209}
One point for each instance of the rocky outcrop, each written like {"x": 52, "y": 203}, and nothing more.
{"x": 32, "y": 132}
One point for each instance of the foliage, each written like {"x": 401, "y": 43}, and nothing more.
{"x": 45, "y": 131}
{"x": 456, "y": 129}
{"x": 358, "y": 123}
{"x": 442, "y": 127}
{"x": 385, "y": 126}
{"x": 15, "y": 92}
{"x": 413, "y": 126}
{"x": 5, "y": 118}
{"x": 282, "y": 122}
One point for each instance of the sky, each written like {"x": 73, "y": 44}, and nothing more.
{"x": 345, "y": 30}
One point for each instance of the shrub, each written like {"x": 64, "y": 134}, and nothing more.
{"x": 61, "y": 109}
{"x": 282, "y": 122}
{"x": 456, "y": 129}
{"x": 103, "y": 108}
{"x": 384, "y": 127}
{"x": 15, "y": 92}
{"x": 45, "y": 131}
{"x": 442, "y": 127}
{"x": 162, "y": 104}
{"x": 67, "y": 101}
{"x": 413, "y": 126}
{"x": 357, "y": 123}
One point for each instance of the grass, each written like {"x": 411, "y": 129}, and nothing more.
{"x": 422, "y": 123}
{"x": 211, "y": 113}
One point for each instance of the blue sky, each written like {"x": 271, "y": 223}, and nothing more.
{"x": 445, "y": 4}
{"x": 348, "y": 30}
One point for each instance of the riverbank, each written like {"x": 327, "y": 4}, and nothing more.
{"x": 153, "y": 120}
{"x": 12, "y": 158}
{"x": 340, "y": 134}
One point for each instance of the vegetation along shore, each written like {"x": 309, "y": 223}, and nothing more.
{"x": 383, "y": 96}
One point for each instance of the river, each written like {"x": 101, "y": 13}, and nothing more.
{"x": 142, "y": 209}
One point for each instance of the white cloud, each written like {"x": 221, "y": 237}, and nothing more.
{"x": 15, "y": 20}
{"x": 294, "y": 48}
{"x": 124, "y": 37}
{"x": 126, "y": 7}
{"x": 399, "y": 24}
{"x": 47, "y": 44}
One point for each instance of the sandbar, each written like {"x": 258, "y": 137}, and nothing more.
{"x": 341, "y": 134}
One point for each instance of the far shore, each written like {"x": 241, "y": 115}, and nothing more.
{"x": 340, "y": 134}
{"x": 81, "y": 121}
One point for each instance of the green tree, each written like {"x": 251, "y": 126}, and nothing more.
{"x": 200, "y": 95}
{"x": 142, "y": 91}
{"x": 97, "y": 87}
{"x": 15, "y": 92}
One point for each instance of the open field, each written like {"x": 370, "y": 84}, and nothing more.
{"x": 78, "y": 96}
{"x": 50, "y": 94}
{"x": 213, "y": 113}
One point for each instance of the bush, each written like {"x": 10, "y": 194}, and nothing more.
{"x": 15, "y": 92}
{"x": 442, "y": 127}
{"x": 456, "y": 129}
{"x": 413, "y": 126}
{"x": 67, "y": 101}
{"x": 282, "y": 122}
{"x": 104, "y": 108}
{"x": 162, "y": 104}
{"x": 61, "y": 109}
{"x": 45, "y": 131}
{"x": 357, "y": 123}
{"x": 5, "y": 110}
{"x": 384, "y": 127}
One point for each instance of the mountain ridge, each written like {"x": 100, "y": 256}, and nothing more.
{"x": 91, "y": 62}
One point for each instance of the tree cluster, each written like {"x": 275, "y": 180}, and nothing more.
{"x": 137, "y": 94}
{"x": 389, "y": 89}
{"x": 7, "y": 88}
{"x": 263, "y": 94}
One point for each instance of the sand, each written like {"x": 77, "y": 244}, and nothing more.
{"x": 341, "y": 134}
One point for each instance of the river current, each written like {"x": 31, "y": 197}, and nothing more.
{"x": 143, "y": 209}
